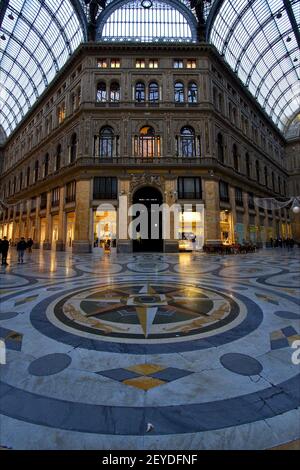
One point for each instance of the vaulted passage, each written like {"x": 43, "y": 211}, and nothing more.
{"x": 148, "y": 238}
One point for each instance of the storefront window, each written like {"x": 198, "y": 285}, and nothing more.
{"x": 191, "y": 230}
{"x": 105, "y": 229}
{"x": 226, "y": 227}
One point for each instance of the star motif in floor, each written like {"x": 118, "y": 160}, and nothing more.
{"x": 146, "y": 302}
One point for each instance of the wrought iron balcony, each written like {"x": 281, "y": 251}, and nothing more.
{"x": 140, "y": 161}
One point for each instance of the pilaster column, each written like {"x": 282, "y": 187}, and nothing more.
{"x": 170, "y": 243}
{"x": 28, "y": 209}
{"x": 246, "y": 216}
{"x": 14, "y": 225}
{"x": 124, "y": 244}
{"x": 60, "y": 242}
{"x": 233, "y": 211}
{"x": 21, "y": 222}
{"x": 82, "y": 242}
{"x": 37, "y": 223}
{"x": 295, "y": 225}
{"x": 257, "y": 224}
{"x": 212, "y": 210}
{"x": 48, "y": 228}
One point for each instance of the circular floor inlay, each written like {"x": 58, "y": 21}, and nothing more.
{"x": 147, "y": 266}
{"x": 241, "y": 364}
{"x": 288, "y": 315}
{"x": 50, "y": 364}
{"x": 8, "y": 315}
{"x": 144, "y": 311}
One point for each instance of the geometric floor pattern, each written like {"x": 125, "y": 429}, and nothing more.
{"x": 145, "y": 376}
{"x": 150, "y": 351}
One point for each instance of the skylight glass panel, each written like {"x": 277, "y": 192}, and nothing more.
{"x": 162, "y": 22}
{"x": 254, "y": 43}
{"x": 41, "y": 34}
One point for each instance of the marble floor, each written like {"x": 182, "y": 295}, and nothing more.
{"x": 150, "y": 351}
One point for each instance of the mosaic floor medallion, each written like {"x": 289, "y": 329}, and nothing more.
{"x": 147, "y": 312}
{"x": 199, "y": 346}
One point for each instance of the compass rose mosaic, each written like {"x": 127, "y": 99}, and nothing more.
{"x": 147, "y": 312}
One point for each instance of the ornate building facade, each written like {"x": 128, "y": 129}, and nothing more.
{"x": 170, "y": 118}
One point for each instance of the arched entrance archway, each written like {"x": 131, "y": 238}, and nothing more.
{"x": 148, "y": 196}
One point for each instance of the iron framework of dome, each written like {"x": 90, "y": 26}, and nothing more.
{"x": 259, "y": 39}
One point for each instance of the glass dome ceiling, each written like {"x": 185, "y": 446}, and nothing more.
{"x": 37, "y": 37}
{"x": 259, "y": 39}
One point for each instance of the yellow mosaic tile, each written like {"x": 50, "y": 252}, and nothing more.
{"x": 277, "y": 335}
{"x": 266, "y": 298}
{"x": 14, "y": 336}
{"x": 146, "y": 369}
{"x": 293, "y": 338}
{"x": 144, "y": 383}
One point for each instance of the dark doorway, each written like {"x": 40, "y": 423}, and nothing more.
{"x": 148, "y": 196}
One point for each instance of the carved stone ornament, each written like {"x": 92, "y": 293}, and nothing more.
{"x": 144, "y": 179}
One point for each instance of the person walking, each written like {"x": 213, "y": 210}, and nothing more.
{"x": 4, "y": 251}
{"x": 29, "y": 245}
{"x": 21, "y": 247}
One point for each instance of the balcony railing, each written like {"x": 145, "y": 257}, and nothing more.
{"x": 132, "y": 160}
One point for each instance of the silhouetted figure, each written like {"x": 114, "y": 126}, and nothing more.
{"x": 4, "y": 251}
{"x": 21, "y": 248}
{"x": 29, "y": 244}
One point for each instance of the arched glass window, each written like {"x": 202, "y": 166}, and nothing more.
{"x": 36, "y": 170}
{"x": 192, "y": 93}
{"x": 215, "y": 96}
{"x": 220, "y": 102}
{"x": 101, "y": 92}
{"x": 58, "y": 157}
{"x": 46, "y": 165}
{"x": 106, "y": 142}
{"x": 115, "y": 92}
{"x": 27, "y": 176}
{"x": 147, "y": 21}
{"x": 147, "y": 144}
{"x": 279, "y": 185}
{"x": 187, "y": 142}
{"x": 140, "y": 92}
{"x": 179, "y": 92}
{"x": 235, "y": 157}
{"x": 257, "y": 170}
{"x": 220, "y": 148}
{"x": 73, "y": 148}
{"x": 247, "y": 165}
{"x": 266, "y": 176}
{"x": 153, "y": 92}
